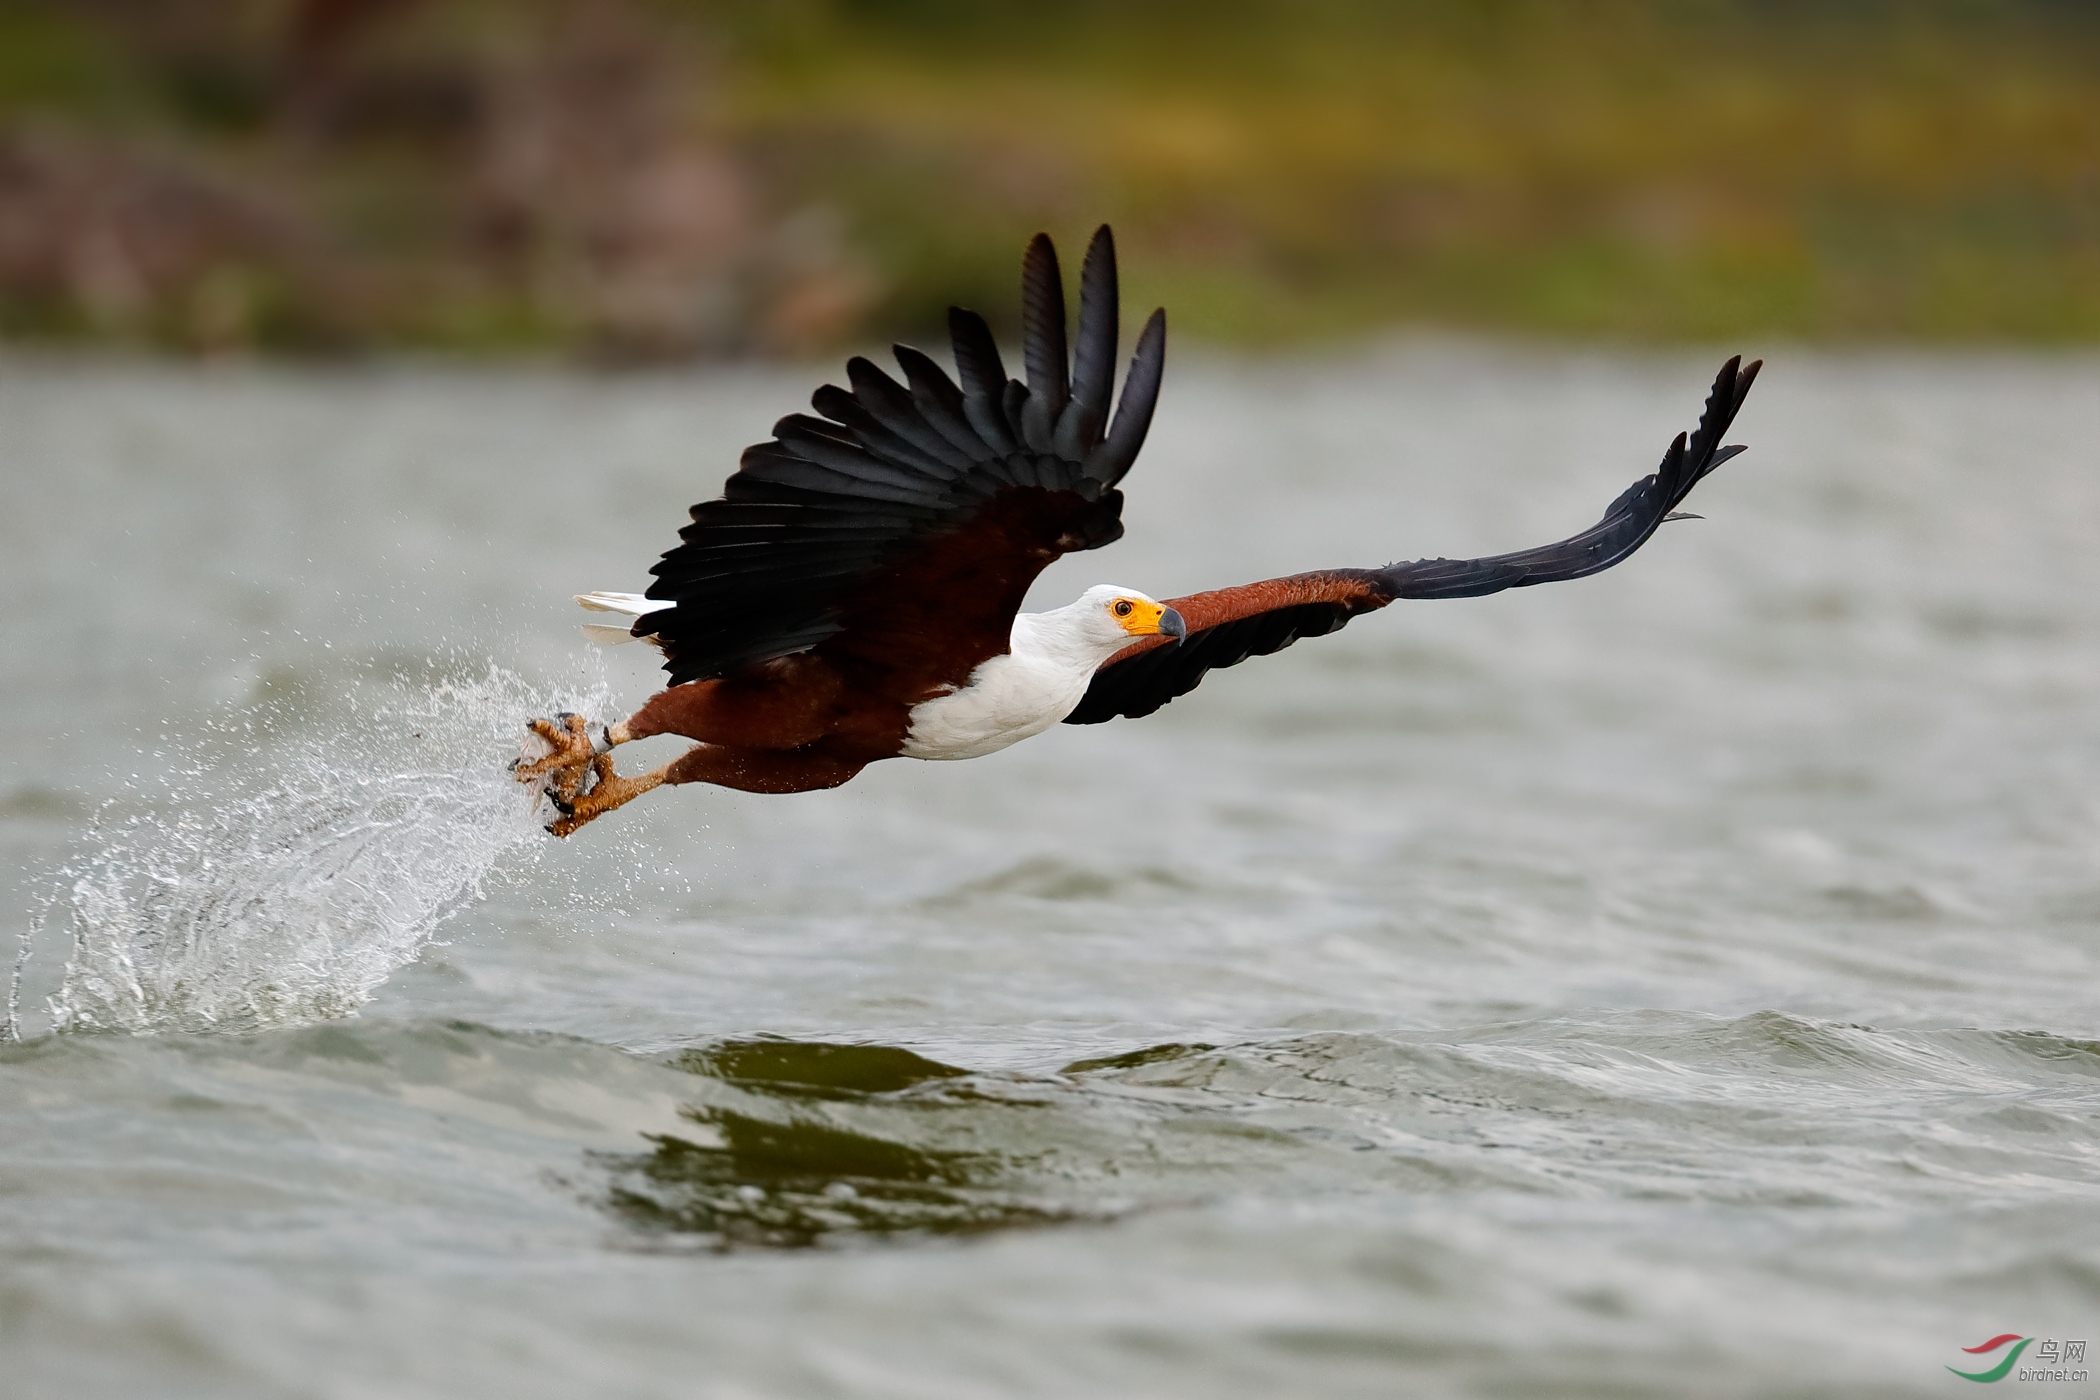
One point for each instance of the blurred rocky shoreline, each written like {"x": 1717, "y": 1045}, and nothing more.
{"x": 641, "y": 180}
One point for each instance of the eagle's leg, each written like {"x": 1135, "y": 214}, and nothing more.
{"x": 748, "y": 770}
{"x": 806, "y": 769}
{"x": 610, "y": 790}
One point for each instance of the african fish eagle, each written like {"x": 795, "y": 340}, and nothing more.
{"x": 855, "y": 593}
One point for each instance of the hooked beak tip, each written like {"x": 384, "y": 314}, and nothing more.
{"x": 1171, "y": 625}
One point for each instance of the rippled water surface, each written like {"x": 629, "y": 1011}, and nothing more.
{"x": 1678, "y": 982}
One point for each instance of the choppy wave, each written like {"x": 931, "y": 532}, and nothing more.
{"x": 792, "y": 1143}
{"x": 266, "y": 879}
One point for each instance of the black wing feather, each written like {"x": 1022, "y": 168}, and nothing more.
{"x": 1042, "y": 343}
{"x": 771, "y": 567}
{"x": 842, "y": 408}
{"x": 940, "y": 403}
{"x": 983, "y": 376}
{"x": 1126, "y": 435}
{"x": 1637, "y": 514}
{"x": 1094, "y": 355}
{"x": 892, "y": 405}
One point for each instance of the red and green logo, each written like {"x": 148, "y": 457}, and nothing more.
{"x": 2003, "y": 1368}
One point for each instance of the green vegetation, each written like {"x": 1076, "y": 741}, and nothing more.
{"x": 642, "y": 179}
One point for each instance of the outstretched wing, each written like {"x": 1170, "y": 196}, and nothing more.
{"x": 902, "y": 528}
{"x": 1229, "y": 625}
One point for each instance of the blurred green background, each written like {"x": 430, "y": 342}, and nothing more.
{"x": 641, "y": 179}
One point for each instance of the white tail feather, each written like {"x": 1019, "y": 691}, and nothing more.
{"x": 633, "y": 604}
{"x": 630, "y": 605}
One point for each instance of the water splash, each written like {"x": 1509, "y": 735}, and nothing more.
{"x": 282, "y": 880}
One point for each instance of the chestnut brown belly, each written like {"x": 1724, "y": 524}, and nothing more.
{"x": 797, "y": 702}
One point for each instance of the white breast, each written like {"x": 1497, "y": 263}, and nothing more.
{"x": 1050, "y": 661}
{"x": 1009, "y": 698}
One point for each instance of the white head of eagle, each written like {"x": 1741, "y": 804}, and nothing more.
{"x": 1099, "y": 623}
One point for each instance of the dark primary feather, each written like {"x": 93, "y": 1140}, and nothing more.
{"x": 1626, "y": 525}
{"x": 816, "y": 523}
{"x": 1138, "y": 682}
{"x": 983, "y": 377}
{"x": 1107, "y": 463}
{"x": 1042, "y": 343}
{"x": 1094, "y": 355}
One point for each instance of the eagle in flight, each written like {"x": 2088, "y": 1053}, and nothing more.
{"x": 855, "y": 592}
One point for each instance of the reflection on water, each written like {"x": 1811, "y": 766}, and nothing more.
{"x": 792, "y": 1176}
{"x": 803, "y": 1069}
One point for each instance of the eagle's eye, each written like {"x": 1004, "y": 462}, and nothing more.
{"x": 1122, "y": 607}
